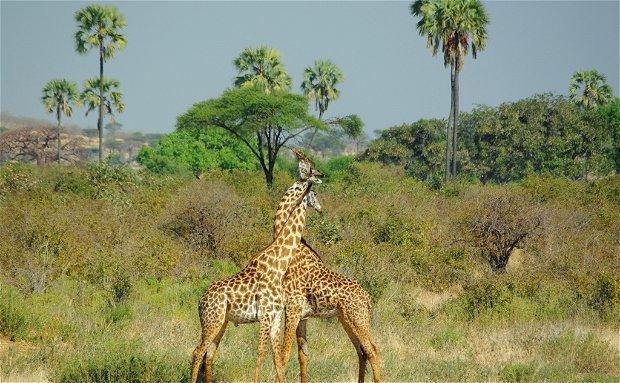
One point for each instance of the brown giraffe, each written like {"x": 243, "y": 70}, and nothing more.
{"x": 314, "y": 291}
{"x": 256, "y": 293}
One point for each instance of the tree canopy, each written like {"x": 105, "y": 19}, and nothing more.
{"x": 264, "y": 123}
{"x": 193, "y": 151}
{"x": 262, "y": 68}
{"x": 542, "y": 134}
{"x": 320, "y": 83}
{"x": 60, "y": 95}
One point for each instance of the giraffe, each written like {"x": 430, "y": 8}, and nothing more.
{"x": 314, "y": 291}
{"x": 256, "y": 293}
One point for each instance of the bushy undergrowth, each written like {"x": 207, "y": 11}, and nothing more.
{"x": 121, "y": 361}
{"x": 106, "y": 254}
{"x": 15, "y": 318}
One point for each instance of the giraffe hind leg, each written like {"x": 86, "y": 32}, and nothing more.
{"x": 213, "y": 327}
{"x": 302, "y": 351}
{"x": 211, "y": 349}
{"x": 362, "y": 357}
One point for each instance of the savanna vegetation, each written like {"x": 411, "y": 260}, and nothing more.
{"x": 506, "y": 271}
{"x": 102, "y": 268}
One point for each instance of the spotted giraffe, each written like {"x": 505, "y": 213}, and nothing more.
{"x": 256, "y": 293}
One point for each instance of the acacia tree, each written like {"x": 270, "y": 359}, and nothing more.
{"x": 99, "y": 26}
{"x": 37, "y": 144}
{"x": 455, "y": 26}
{"x": 589, "y": 89}
{"x": 263, "y": 122}
{"x": 262, "y": 68}
{"x": 61, "y": 95}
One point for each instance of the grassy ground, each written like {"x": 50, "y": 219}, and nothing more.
{"x": 101, "y": 271}
{"x": 152, "y": 335}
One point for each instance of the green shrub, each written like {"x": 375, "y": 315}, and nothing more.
{"x": 485, "y": 296}
{"x": 121, "y": 362}
{"x": 118, "y": 313}
{"x": 446, "y": 338}
{"x": 604, "y": 296}
{"x": 325, "y": 231}
{"x": 16, "y": 176}
{"x": 585, "y": 354}
{"x": 14, "y": 316}
{"x": 110, "y": 181}
{"x": 518, "y": 372}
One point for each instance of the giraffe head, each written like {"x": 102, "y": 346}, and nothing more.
{"x": 306, "y": 167}
{"x": 312, "y": 201}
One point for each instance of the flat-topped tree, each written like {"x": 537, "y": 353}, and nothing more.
{"x": 263, "y": 122}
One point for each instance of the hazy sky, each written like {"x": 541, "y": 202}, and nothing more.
{"x": 179, "y": 53}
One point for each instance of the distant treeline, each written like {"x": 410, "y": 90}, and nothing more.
{"x": 543, "y": 134}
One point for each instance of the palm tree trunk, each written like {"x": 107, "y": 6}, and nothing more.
{"x": 59, "y": 117}
{"x": 450, "y": 120}
{"x": 455, "y": 124}
{"x": 100, "y": 119}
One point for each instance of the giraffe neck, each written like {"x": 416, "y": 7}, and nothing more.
{"x": 287, "y": 240}
{"x": 291, "y": 199}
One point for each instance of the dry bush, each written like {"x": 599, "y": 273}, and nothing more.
{"x": 499, "y": 220}
{"x": 40, "y": 145}
{"x": 212, "y": 218}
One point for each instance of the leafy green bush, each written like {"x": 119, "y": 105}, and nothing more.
{"x": 109, "y": 180}
{"x": 604, "y": 296}
{"x": 485, "y": 296}
{"x": 446, "y": 338}
{"x": 14, "y": 316}
{"x": 118, "y": 313}
{"x": 16, "y": 176}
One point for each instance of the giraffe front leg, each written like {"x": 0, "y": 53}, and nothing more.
{"x": 275, "y": 347}
{"x": 263, "y": 336}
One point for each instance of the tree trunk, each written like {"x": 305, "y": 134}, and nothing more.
{"x": 448, "y": 130}
{"x": 455, "y": 124}
{"x": 59, "y": 117}
{"x": 499, "y": 261}
{"x": 100, "y": 119}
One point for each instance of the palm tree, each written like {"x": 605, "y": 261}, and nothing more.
{"x": 61, "y": 95}
{"x": 589, "y": 89}
{"x": 262, "y": 68}
{"x": 95, "y": 91}
{"x": 320, "y": 83}
{"x": 453, "y": 25}
{"x": 98, "y": 26}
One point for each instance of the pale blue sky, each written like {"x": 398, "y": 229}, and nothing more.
{"x": 179, "y": 53}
